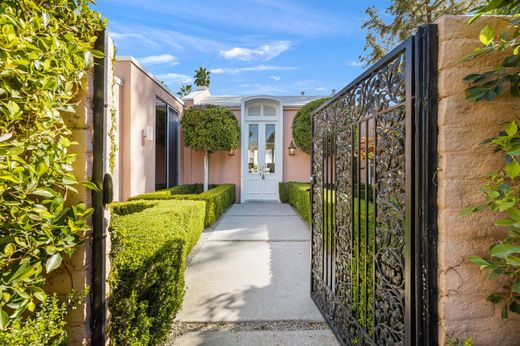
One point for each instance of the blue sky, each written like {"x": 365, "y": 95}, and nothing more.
{"x": 271, "y": 47}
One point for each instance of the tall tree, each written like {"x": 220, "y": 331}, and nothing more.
{"x": 202, "y": 78}
{"x": 406, "y": 16}
{"x": 184, "y": 90}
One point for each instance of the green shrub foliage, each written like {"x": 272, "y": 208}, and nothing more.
{"x": 217, "y": 199}
{"x": 503, "y": 196}
{"x": 502, "y": 187}
{"x": 46, "y": 326}
{"x": 46, "y": 47}
{"x": 299, "y": 197}
{"x": 210, "y": 129}
{"x": 505, "y": 77}
{"x": 301, "y": 126}
{"x": 150, "y": 243}
{"x": 283, "y": 192}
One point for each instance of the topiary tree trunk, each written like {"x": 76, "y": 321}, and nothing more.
{"x": 206, "y": 170}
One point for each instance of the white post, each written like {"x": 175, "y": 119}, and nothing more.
{"x": 206, "y": 170}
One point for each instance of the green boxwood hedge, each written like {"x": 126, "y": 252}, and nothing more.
{"x": 150, "y": 243}
{"x": 297, "y": 195}
{"x": 283, "y": 192}
{"x": 218, "y": 198}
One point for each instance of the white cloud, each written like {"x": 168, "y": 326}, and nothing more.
{"x": 354, "y": 64}
{"x": 276, "y": 78}
{"x": 131, "y": 36}
{"x": 159, "y": 60}
{"x": 170, "y": 78}
{"x": 217, "y": 71}
{"x": 256, "y": 68}
{"x": 265, "y": 52}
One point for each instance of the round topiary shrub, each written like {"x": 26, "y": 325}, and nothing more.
{"x": 301, "y": 126}
{"x": 210, "y": 129}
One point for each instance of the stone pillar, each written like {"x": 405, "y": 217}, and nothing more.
{"x": 463, "y": 161}
{"x": 76, "y": 271}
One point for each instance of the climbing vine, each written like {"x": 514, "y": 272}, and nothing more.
{"x": 112, "y": 132}
{"x": 47, "y": 47}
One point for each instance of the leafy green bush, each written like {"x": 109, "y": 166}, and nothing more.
{"x": 301, "y": 126}
{"x": 46, "y": 326}
{"x": 502, "y": 196}
{"x": 46, "y": 47}
{"x": 502, "y": 187}
{"x": 300, "y": 198}
{"x": 283, "y": 192}
{"x": 150, "y": 242}
{"x": 505, "y": 77}
{"x": 217, "y": 199}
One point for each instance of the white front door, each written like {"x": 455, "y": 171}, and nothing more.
{"x": 262, "y": 172}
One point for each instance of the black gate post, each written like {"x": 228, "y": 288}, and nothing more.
{"x": 426, "y": 51}
{"x": 98, "y": 218}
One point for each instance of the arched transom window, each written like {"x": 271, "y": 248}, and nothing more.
{"x": 261, "y": 109}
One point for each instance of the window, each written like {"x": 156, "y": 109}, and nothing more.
{"x": 269, "y": 148}
{"x": 269, "y": 111}
{"x": 254, "y": 111}
{"x": 261, "y": 110}
{"x": 166, "y": 145}
{"x": 252, "y": 153}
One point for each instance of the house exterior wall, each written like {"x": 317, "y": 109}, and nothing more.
{"x": 462, "y": 287}
{"x": 295, "y": 167}
{"x": 227, "y": 169}
{"x": 137, "y": 155}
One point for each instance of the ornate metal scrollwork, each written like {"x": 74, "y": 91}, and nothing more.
{"x": 358, "y": 203}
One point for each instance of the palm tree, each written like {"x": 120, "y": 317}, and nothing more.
{"x": 202, "y": 78}
{"x": 184, "y": 90}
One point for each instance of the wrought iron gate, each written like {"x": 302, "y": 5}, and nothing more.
{"x": 373, "y": 201}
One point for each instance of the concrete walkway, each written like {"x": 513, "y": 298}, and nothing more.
{"x": 248, "y": 283}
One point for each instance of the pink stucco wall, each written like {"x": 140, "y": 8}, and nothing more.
{"x": 223, "y": 168}
{"x": 137, "y": 156}
{"x": 226, "y": 169}
{"x": 296, "y": 167}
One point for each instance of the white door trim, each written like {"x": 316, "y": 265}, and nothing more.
{"x": 244, "y": 137}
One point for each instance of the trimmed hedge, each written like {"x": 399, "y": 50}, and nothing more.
{"x": 301, "y": 125}
{"x": 283, "y": 192}
{"x": 218, "y": 198}
{"x": 150, "y": 243}
{"x": 298, "y": 196}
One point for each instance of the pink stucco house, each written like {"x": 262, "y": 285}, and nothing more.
{"x": 152, "y": 155}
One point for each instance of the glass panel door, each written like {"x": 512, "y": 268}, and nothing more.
{"x": 270, "y": 140}
{"x": 161, "y": 133}
{"x": 173, "y": 149}
{"x": 252, "y": 151}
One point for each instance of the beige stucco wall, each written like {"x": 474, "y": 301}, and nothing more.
{"x": 463, "y": 125}
{"x": 137, "y": 99}
{"x": 75, "y": 272}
